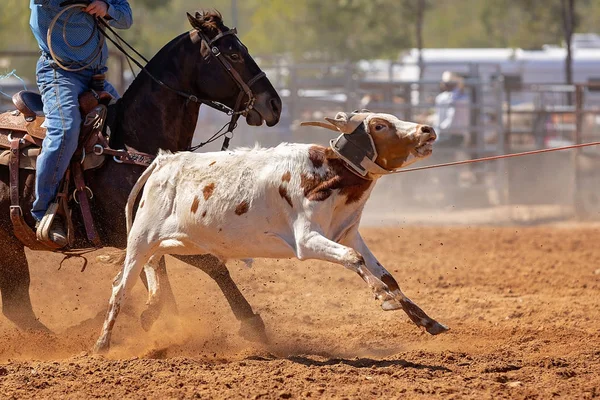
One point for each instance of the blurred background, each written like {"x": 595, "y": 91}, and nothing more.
{"x": 492, "y": 77}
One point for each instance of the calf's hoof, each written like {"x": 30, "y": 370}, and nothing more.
{"x": 436, "y": 328}
{"x": 101, "y": 347}
{"x": 390, "y": 305}
{"x": 253, "y": 329}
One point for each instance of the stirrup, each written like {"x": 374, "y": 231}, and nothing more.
{"x": 43, "y": 229}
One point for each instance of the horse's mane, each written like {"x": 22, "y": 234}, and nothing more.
{"x": 209, "y": 21}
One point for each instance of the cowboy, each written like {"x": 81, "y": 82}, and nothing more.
{"x": 452, "y": 112}
{"x": 75, "y": 53}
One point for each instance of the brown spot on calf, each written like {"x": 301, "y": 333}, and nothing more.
{"x": 195, "y": 203}
{"x": 242, "y": 208}
{"x": 142, "y": 203}
{"x": 212, "y": 163}
{"x": 204, "y": 214}
{"x": 390, "y": 282}
{"x": 284, "y": 194}
{"x": 337, "y": 177}
{"x": 316, "y": 156}
{"x": 208, "y": 191}
{"x": 286, "y": 177}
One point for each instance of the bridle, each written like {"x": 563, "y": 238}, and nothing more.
{"x": 244, "y": 87}
{"x": 214, "y": 51}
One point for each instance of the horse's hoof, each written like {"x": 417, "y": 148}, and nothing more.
{"x": 253, "y": 329}
{"x": 148, "y": 318}
{"x": 39, "y": 328}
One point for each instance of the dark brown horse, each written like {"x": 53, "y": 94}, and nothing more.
{"x": 149, "y": 117}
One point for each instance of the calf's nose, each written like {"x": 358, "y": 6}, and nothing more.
{"x": 426, "y": 133}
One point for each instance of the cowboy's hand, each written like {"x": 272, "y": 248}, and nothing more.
{"x": 98, "y": 8}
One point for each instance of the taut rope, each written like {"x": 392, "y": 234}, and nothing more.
{"x": 525, "y": 153}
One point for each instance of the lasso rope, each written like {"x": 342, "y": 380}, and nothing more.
{"x": 525, "y": 153}
{"x": 8, "y": 75}
{"x": 85, "y": 63}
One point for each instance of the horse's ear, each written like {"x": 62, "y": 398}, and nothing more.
{"x": 194, "y": 21}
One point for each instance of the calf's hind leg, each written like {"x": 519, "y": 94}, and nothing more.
{"x": 160, "y": 293}
{"x": 137, "y": 256}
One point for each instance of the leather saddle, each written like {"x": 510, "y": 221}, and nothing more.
{"x": 21, "y": 135}
{"x": 30, "y": 104}
{"x": 26, "y": 123}
{"x": 22, "y": 132}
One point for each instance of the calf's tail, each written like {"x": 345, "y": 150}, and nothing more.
{"x": 134, "y": 194}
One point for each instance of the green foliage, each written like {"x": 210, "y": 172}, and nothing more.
{"x": 329, "y": 30}
{"x": 151, "y": 4}
{"x": 340, "y": 30}
{"x": 14, "y": 25}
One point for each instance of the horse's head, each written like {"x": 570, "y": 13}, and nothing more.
{"x": 221, "y": 50}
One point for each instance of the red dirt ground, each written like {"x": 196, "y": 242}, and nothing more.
{"x": 523, "y": 305}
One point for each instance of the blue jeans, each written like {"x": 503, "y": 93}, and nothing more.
{"x": 60, "y": 92}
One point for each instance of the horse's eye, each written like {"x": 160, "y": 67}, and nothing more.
{"x": 234, "y": 56}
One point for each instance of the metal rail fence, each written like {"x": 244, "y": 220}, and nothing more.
{"x": 504, "y": 116}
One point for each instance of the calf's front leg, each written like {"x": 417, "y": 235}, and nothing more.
{"x": 392, "y": 296}
{"x": 316, "y": 246}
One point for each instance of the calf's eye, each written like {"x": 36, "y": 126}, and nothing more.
{"x": 379, "y": 127}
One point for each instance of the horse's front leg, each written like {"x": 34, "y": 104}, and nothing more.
{"x": 252, "y": 326}
{"x": 14, "y": 285}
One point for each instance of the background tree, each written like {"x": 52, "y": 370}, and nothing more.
{"x": 338, "y": 30}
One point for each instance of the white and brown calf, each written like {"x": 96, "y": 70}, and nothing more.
{"x": 294, "y": 200}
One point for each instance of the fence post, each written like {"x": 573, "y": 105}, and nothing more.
{"x": 506, "y": 147}
{"x": 351, "y": 85}
{"x": 502, "y": 170}
{"x": 578, "y": 140}
{"x": 293, "y": 86}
